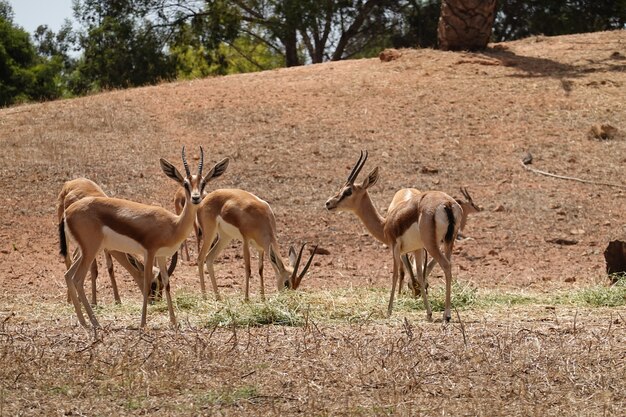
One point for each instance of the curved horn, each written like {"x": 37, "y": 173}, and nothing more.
{"x": 357, "y": 167}
{"x": 306, "y": 266}
{"x": 295, "y": 267}
{"x": 201, "y": 162}
{"x": 185, "y": 163}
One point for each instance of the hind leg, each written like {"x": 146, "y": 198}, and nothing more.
{"x": 444, "y": 262}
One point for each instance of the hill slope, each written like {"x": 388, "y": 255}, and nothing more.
{"x": 431, "y": 120}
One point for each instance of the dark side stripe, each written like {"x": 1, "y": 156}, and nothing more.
{"x": 451, "y": 223}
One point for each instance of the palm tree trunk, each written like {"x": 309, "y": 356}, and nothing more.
{"x": 465, "y": 24}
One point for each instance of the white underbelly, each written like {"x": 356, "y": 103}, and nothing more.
{"x": 119, "y": 242}
{"x": 227, "y": 230}
{"x": 410, "y": 240}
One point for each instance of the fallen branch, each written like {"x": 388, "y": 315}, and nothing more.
{"x": 528, "y": 160}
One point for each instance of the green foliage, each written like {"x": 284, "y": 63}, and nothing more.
{"x": 521, "y": 18}
{"x": 24, "y": 75}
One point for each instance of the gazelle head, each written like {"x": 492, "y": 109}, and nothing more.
{"x": 156, "y": 287}
{"x": 468, "y": 205}
{"x": 193, "y": 184}
{"x": 287, "y": 276}
{"x": 350, "y": 195}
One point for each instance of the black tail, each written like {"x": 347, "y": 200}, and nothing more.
{"x": 451, "y": 223}
{"x": 62, "y": 240}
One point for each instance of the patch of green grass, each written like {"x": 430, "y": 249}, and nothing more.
{"x": 597, "y": 296}
{"x": 277, "y": 310}
{"x": 229, "y": 396}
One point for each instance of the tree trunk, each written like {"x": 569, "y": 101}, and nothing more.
{"x": 465, "y": 24}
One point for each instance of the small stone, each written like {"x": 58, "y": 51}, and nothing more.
{"x": 570, "y": 279}
{"x": 499, "y": 208}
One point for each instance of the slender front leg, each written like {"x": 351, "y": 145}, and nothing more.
{"x": 148, "y": 263}
{"x": 166, "y": 283}
{"x": 246, "y": 260}
{"x": 396, "y": 263}
{"x": 261, "y": 258}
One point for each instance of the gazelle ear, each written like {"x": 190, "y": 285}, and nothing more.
{"x": 293, "y": 256}
{"x": 371, "y": 179}
{"x": 275, "y": 260}
{"x": 136, "y": 263}
{"x": 171, "y": 171}
{"x": 216, "y": 171}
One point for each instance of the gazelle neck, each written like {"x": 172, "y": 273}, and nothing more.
{"x": 187, "y": 216}
{"x": 370, "y": 217}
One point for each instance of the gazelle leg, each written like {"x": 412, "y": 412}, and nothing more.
{"x": 246, "y": 260}
{"x": 93, "y": 269}
{"x": 166, "y": 283}
{"x": 217, "y": 248}
{"x": 401, "y": 276}
{"x": 394, "y": 279}
{"x": 78, "y": 280}
{"x": 261, "y": 256}
{"x": 202, "y": 255}
{"x": 72, "y": 292}
{"x": 109, "y": 261}
{"x": 148, "y": 262}
{"x": 421, "y": 278}
{"x": 69, "y": 261}
{"x": 444, "y": 262}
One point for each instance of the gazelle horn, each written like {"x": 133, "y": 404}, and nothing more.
{"x": 357, "y": 168}
{"x": 185, "y": 163}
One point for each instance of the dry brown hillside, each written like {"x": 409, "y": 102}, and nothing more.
{"x": 430, "y": 119}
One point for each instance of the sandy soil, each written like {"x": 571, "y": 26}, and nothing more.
{"x": 430, "y": 120}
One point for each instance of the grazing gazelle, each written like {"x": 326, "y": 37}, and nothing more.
{"x": 418, "y": 221}
{"x": 97, "y": 223}
{"x": 79, "y": 188}
{"x": 236, "y": 214}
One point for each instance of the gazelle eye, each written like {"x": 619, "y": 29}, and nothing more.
{"x": 348, "y": 192}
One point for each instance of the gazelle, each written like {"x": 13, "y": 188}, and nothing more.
{"x": 421, "y": 265}
{"x": 418, "y": 221}
{"x": 237, "y": 214}
{"x": 97, "y": 223}
{"x": 71, "y": 192}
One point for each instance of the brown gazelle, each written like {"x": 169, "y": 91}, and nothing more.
{"x": 422, "y": 265}
{"x": 97, "y": 223}
{"x": 236, "y": 214}
{"x": 71, "y": 192}
{"x": 419, "y": 221}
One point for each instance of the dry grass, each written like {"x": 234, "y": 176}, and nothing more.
{"x": 332, "y": 353}
{"x": 521, "y": 361}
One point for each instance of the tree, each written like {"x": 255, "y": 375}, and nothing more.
{"x": 465, "y": 24}
{"x": 24, "y": 75}
{"x": 121, "y": 48}
{"x": 518, "y": 19}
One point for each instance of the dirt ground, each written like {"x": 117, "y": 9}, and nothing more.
{"x": 430, "y": 120}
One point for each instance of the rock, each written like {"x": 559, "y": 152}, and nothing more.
{"x": 389, "y": 55}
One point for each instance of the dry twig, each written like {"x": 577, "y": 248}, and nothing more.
{"x": 528, "y": 160}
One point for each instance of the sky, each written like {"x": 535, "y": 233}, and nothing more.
{"x": 31, "y": 13}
